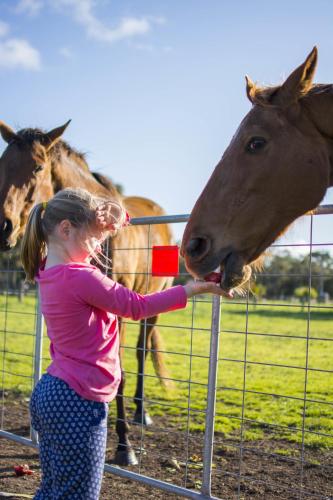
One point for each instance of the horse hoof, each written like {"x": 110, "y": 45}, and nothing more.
{"x": 144, "y": 419}
{"x": 125, "y": 457}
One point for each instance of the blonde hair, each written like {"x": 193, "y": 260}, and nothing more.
{"x": 76, "y": 205}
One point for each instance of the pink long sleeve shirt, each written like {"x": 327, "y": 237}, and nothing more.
{"x": 80, "y": 306}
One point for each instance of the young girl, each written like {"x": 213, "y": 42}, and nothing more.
{"x": 69, "y": 405}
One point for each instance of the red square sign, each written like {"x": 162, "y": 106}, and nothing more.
{"x": 165, "y": 260}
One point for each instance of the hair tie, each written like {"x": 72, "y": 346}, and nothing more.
{"x": 44, "y": 203}
{"x": 127, "y": 220}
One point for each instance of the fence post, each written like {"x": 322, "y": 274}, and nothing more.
{"x": 38, "y": 354}
{"x": 211, "y": 398}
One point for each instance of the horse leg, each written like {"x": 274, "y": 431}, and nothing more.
{"x": 142, "y": 348}
{"x": 149, "y": 338}
{"x": 125, "y": 454}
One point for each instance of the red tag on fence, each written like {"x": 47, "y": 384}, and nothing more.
{"x": 165, "y": 260}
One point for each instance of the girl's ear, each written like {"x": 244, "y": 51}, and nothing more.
{"x": 64, "y": 228}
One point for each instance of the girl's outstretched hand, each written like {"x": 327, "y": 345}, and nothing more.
{"x": 197, "y": 287}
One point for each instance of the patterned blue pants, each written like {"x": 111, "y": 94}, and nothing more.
{"x": 72, "y": 439}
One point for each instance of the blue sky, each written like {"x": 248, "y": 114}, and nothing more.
{"x": 155, "y": 89}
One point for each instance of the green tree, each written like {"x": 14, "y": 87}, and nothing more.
{"x": 304, "y": 294}
{"x": 322, "y": 272}
{"x": 283, "y": 273}
{"x": 258, "y": 291}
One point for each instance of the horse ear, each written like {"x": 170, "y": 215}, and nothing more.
{"x": 299, "y": 82}
{"x": 7, "y": 133}
{"x": 250, "y": 89}
{"x": 51, "y": 138}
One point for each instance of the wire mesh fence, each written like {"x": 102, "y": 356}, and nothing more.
{"x": 245, "y": 409}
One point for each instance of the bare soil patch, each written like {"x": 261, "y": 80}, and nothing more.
{"x": 174, "y": 456}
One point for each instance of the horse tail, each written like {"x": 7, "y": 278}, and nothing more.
{"x": 158, "y": 358}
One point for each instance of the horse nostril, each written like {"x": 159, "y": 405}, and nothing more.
{"x": 6, "y": 228}
{"x": 197, "y": 247}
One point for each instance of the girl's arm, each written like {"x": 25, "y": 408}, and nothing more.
{"x": 94, "y": 288}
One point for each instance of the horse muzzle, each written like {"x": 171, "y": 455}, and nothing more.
{"x": 234, "y": 270}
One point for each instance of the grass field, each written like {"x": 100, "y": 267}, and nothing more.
{"x": 266, "y": 413}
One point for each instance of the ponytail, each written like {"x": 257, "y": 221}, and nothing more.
{"x": 33, "y": 248}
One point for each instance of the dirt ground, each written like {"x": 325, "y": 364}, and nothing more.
{"x": 165, "y": 452}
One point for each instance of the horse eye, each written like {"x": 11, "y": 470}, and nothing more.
{"x": 38, "y": 168}
{"x": 255, "y": 144}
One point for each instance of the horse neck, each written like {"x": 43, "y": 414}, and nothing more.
{"x": 69, "y": 170}
{"x": 319, "y": 107}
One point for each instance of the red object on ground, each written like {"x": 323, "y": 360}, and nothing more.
{"x": 214, "y": 277}
{"x": 165, "y": 260}
{"x": 21, "y": 470}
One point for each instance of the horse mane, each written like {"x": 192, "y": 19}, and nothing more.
{"x": 264, "y": 95}
{"x": 30, "y": 135}
{"x": 106, "y": 182}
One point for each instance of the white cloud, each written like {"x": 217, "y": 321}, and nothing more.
{"x": 31, "y": 7}
{"x": 18, "y": 53}
{"x": 82, "y": 12}
{"x": 4, "y": 28}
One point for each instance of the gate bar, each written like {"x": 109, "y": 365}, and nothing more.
{"x": 38, "y": 354}
{"x": 211, "y": 397}
{"x": 156, "y": 483}
{"x": 166, "y": 219}
{"x": 18, "y": 439}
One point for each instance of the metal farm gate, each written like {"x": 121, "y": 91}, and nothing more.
{"x": 250, "y": 417}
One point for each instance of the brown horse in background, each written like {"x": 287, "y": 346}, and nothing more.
{"x": 33, "y": 167}
{"x": 277, "y": 167}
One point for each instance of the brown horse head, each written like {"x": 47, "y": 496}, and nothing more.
{"x": 276, "y": 168}
{"x": 25, "y": 177}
